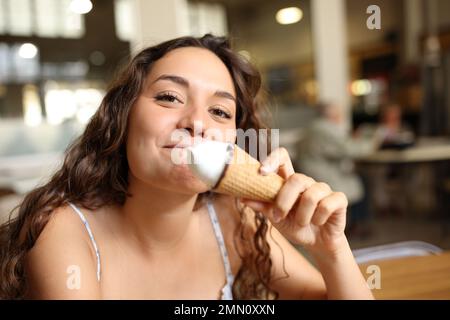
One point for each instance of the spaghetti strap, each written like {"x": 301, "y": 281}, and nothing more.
{"x": 227, "y": 293}
{"x": 91, "y": 236}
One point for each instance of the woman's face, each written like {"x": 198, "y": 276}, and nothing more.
{"x": 188, "y": 90}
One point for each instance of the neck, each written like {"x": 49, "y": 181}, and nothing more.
{"x": 157, "y": 219}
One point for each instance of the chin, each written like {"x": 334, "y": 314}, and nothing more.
{"x": 184, "y": 181}
{"x": 189, "y": 189}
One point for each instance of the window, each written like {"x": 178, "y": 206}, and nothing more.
{"x": 43, "y": 18}
{"x": 123, "y": 16}
{"x": 18, "y": 17}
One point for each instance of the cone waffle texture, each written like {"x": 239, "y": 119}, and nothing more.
{"x": 242, "y": 179}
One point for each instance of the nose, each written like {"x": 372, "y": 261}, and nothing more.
{"x": 194, "y": 119}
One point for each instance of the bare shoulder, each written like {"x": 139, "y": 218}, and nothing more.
{"x": 62, "y": 264}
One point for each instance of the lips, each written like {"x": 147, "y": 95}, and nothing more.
{"x": 177, "y": 154}
{"x": 171, "y": 146}
{"x": 183, "y": 144}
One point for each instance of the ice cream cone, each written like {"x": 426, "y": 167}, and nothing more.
{"x": 241, "y": 178}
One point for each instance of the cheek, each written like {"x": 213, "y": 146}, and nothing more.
{"x": 146, "y": 129}
{"x": 145, "y": 120}
{"x": 222, "y": 133}
{"x": 231, "y": 136}
{"x": 150, "y": 123}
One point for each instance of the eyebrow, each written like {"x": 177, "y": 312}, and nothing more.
{"x": 185, "y": 83}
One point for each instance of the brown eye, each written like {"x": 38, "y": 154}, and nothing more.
{"x": 220, "y": 113}
{"x": 168, "y": 97}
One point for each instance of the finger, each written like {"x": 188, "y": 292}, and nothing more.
{"x": 289, "y": 193}
{"x": 259, "y": 206}
{"x": 278, "y": 161}
{"x": 265, "y": 208}
{"x": 309, "y": 201}
{"x": 328, "y": 206}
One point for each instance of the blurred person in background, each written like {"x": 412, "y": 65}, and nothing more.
{"x": 395, "y": 133}
{"x": 327, "y": 153}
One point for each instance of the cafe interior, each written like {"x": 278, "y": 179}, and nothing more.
{"x": 377, "y": 71}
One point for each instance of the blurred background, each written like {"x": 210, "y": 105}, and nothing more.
{"x": 358, "y": 89}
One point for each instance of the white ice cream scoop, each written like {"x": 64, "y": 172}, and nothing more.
{"x": 208, "y": 160}
{"x": 228, "y": 169}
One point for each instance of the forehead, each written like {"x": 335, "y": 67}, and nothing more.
{"x": 198, "y": 65}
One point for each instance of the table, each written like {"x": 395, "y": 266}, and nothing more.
{"x": 409, "y": 182}
{"x": 425, "y": 150}
{"x": 426, "y": 277}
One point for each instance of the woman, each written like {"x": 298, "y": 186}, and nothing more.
{"x": 120, "y": 220}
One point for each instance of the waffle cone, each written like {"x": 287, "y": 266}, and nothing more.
{"x": 242, "y": 179}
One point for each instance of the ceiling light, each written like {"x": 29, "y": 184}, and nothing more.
{"x": 289, "y": 15}
{"x": 361, "y": 87}
{"x": 28, "y": 51}
{"x": 80, "y": 6}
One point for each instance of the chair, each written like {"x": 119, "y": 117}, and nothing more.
{"x": 395, "y": 250}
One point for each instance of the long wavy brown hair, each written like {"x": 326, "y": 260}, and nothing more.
{"x": 95, "y": 171}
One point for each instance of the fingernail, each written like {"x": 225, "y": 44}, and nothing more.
{"x": 265, "y": 169}
{"x": 277, "y": 215}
